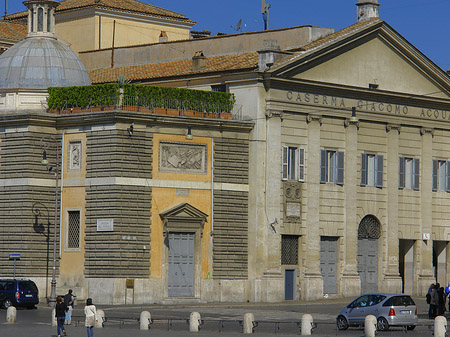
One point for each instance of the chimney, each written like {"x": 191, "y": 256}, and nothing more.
{"x": 367, "y": 9}
{"x": 270, "y": 54}
{"x": 198, "y": 61}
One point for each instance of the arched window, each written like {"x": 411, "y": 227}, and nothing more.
{"x": 369, "y": 228}
{"x": 40, "y": 18}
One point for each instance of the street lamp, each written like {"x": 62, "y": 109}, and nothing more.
{"x": 40, "y": 229}
{"x": 45, "y": 144}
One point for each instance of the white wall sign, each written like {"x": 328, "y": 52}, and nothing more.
{"x": 426, "y": 236}
{"x": 105, "y": 225}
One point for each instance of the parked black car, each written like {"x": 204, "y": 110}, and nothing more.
{"x": 18, "y": 293}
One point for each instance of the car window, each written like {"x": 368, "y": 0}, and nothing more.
{"x": 10, "y": 286}
{"x": 362, "y": 301}
{"x": 399, "y": 301}
{"x": 375, "y": 299}
{"x": 27, "y": 286}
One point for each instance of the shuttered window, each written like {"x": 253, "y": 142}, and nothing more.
{"x": 331, "y": 167}
{"x": 441, "y": 175}
{"x": 371, "y": 170}
{"x": 408, "y": 173}
{"x": 293, "y": 163}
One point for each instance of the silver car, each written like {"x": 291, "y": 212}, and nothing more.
{"x": 389, "y": 309}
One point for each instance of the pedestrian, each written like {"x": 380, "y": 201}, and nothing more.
{"x": 91, "y": 317}
{"x": 434, "y": 302}
{"x": 441, "y": 301}
{"x": 69, "y": 297}
{"x": 447, "y": 293}
{"x": 60, "y": 314}
{"x": 69, "y": 314}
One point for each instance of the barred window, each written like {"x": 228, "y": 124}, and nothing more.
{"x": 73, "y": 229}
{"x": 289, "y": 249}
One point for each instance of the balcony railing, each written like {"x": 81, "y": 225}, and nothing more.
{"x": 158, "y": 106}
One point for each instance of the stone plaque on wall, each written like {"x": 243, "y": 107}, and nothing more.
{"x": 182, "y": 157}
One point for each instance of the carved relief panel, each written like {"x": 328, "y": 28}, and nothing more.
{"x": 75, "y": 156}
{"x": 182, "y": 157}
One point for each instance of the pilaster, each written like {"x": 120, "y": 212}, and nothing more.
{"x": 424, "y": 248}
{"x": 392, "y": 280}
{"x": 312, "y": 278}
{"x": 351, "y": 283}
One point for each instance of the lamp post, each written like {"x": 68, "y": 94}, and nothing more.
{"x": 45, "y": 145}
{"x": 40, "y": 229}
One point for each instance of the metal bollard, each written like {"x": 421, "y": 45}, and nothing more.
{"x": 370, "y": 326}
{"x": 194, "y": 322}
{"x": 307, "y": 325}
{"x": 100, "y": 318}
{"x": 145, "y": 320}
{"x": 440, "y": 326}
{"x": 11, "y": 313}
{"x": 249, "y": 319}
{"x": 54, "y": 322}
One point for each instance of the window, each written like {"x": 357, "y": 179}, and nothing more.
{"x": 75, "y": 156}
{"x": 293, "y": 163}
{"x": 40, "y": 26}
{"x": 219, "y": 88}
{"x": 73, "y": 229}
{"x": 441, "y": 175}
{"x": 289, "y": 249}
{"x": 331, "y": 167}
{"x": 371, "y": 170}
{"x": 408, "y": 173}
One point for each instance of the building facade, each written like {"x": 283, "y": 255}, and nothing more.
{"x": 331, "y": 179}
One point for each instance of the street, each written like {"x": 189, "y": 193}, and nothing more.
{"x": 279, "y": 319}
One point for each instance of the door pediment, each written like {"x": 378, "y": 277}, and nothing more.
{"x": 183, "y": 217}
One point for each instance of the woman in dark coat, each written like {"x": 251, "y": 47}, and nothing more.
{"x": 441, "y": 301}
{"x": 60, "y": 314}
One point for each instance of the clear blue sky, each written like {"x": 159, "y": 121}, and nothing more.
{"x": 424, "y": 23}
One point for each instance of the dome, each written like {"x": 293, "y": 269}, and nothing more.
{"x": 39, "y": 63}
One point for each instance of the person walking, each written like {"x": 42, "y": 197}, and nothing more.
{"x": 91, "y": 317}
{"x": 69, "y": 297}
{"x": 434, "y": 301}
{"x": 447, "y": 293}
{"x": 60, "y": 314}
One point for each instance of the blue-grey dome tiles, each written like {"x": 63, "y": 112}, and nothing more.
{"x": 39, "y": 63}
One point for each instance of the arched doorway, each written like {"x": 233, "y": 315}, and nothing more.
{"x": 369, "y": 232}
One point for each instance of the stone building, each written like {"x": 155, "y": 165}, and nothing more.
{"x": 98, "y": 24}
{"x": 330, "y": 180}
{"x": 348, "y": 155}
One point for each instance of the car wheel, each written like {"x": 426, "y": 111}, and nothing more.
{"x": 342, "y": 323}
{"x": 411, "y": 327}
{"x": 382, "y": 324}
{"x": 7, "y": 303}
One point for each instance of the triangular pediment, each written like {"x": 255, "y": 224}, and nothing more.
{"x": 183, "y": 211}
{"x": 367, "y": 55}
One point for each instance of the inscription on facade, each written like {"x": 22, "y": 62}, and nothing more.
{"x": 182, "y": 157}
{"x": 382, "y": 107}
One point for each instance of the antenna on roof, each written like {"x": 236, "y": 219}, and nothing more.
{"x": 265, "y": 13}
{"x": 238, "y": 26}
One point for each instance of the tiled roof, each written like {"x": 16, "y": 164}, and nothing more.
{"x": 243, "y": 61}
{"x": 12, "y": 31}
{"x": 132, "y": 6}
{"x": 340, "y": 33}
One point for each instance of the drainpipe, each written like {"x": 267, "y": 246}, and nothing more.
{"x": 61, "y": 172}
{"x": 212, "y": 187}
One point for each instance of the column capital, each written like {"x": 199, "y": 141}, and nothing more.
{"x": 274, "y": 113}
{"x": 348, "y": 122}
{"x": 311, "y": 118}
{"x": 424, "y": 131}
{"x": 390, "y": 127}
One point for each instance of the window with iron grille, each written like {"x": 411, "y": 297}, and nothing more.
{"x": 289, "y": 249}
{"x": 73, "y": 229}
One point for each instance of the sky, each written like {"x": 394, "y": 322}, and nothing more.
{"x": 424, "y": 23}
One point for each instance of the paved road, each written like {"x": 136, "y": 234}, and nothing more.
{"x": 220, "y": 320}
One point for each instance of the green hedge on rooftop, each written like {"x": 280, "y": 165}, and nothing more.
{"x": 107, "y": 94}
